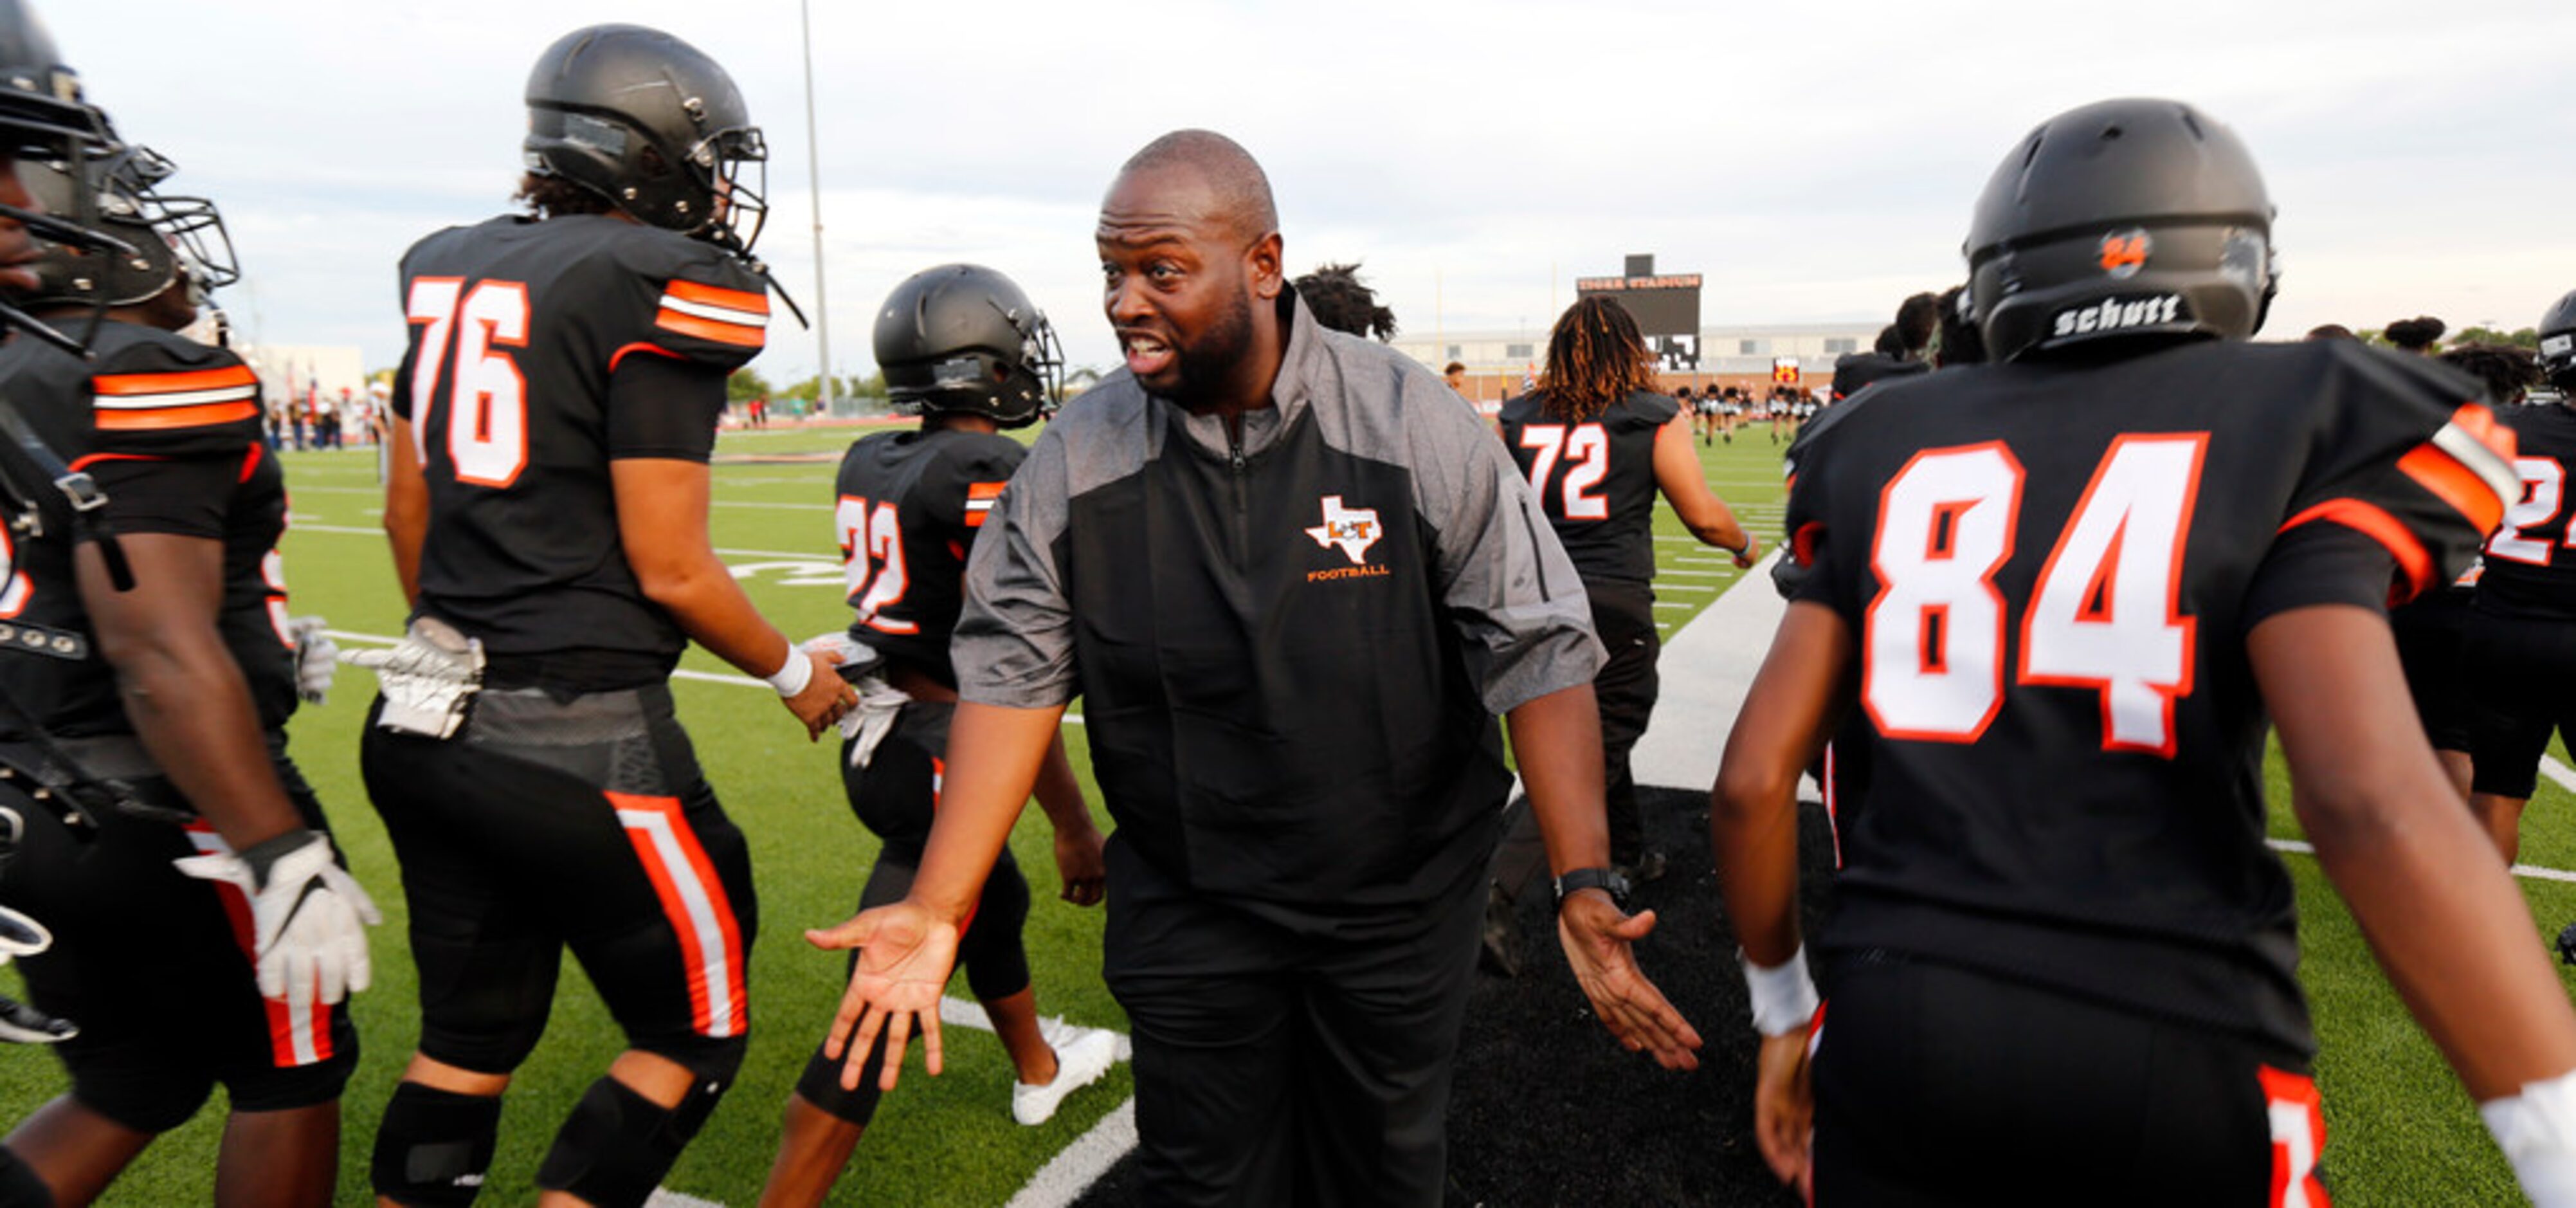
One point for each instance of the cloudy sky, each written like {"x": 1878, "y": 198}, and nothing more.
{"x": 1814, "y": 160}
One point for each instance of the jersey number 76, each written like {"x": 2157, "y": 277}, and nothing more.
{"x": 2103, "y": 615}
{"x": 487, "y": 399}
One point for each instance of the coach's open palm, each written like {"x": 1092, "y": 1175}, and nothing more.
{"x": 1597, "y": 939}
{"x": 905, "y": 955}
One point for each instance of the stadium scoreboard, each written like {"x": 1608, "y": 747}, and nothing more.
{"x": 1665, "y": 307}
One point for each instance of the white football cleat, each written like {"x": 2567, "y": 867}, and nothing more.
{"x": 1079, "y": 1062}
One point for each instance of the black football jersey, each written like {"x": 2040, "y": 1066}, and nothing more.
{"x": 908, "y": 508}
{"x": 1596, "y": 479}
{"x": 2049, "y": 572}
{"x": 170, "y": 430}
{"x": 540, "y": 352}
{"x": 2530, "y": 567}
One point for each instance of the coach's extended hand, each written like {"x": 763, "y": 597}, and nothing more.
{"x": 905, "y": 955}
{"x": 1596, "y": 936}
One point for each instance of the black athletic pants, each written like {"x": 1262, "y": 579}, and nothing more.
{"x": 1936, "y": 1086}
{"x": 1623, "y": 614}
{"x": 2520, "y": 681}
{"x": 1279, "y": 1064}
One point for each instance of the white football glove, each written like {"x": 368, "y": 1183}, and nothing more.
{"x": 428, "y": 678}
{"x": 879, "y": 702}
{"x": 308, "y": 919}
{"x": 2536, "y": 1129}
{"x": 317, "y": 659}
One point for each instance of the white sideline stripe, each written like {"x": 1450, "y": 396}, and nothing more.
{"x": 810, "y": 555}
{"x": 2558, "y": 773}
{"x": 2531, "y": 872}
{"x": 1071, "y": 1172}
{"x": 708, "y": 677}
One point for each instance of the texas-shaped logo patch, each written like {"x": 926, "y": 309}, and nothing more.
{"x": 1353, "y": 529}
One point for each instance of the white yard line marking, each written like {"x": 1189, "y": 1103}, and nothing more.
{"x": 809, "y": 555}
{"x": 2532, "y": 872}
{"x": 2558, "y": 773}
{"x": 1063, "y": 1180}
{"x": 664, "y": 1197}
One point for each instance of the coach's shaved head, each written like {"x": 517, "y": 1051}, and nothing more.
{"x": 1238, "y": 190}
{"x": 1189, "y": 251}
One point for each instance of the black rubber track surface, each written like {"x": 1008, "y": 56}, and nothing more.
{"x": 1548, "y": 1110}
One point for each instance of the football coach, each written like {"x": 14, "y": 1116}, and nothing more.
{"x": 1293, "y": 582}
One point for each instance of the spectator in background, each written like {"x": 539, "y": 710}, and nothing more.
{"x": 1918, "y": 319}
{"x": 2418, "y": 335}
{"x": 1342, "y": 303}
{"x": 1455, "y": 373}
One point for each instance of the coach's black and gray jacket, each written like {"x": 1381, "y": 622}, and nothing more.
{"x": 1290, "y": 647}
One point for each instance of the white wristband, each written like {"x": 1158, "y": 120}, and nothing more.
{"x": 1784, "y": 998}
{"x": 798, "y": 672}
{"x": 2537, "y": 1132}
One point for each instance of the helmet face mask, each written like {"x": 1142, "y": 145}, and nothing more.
{"x": 653, "y": 126}
{"x": 175, "y": 238}
{"x": 964, "y": 339}
{"x": 2138, "y": 222}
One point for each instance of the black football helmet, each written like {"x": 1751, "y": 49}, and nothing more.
{"x": 2558, "y": 343}
{"x": 2121, "y": 219}
{"x": 170, "y": 237}
{"x": 652, "y": 124}
{"x": 962, "y": 337}
{"x": 42, "y": 115}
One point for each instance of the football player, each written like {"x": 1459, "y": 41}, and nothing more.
{"x": 222, "y": 867}
{"x": 962, "y": 347}
{"x": 2517, "y": 644}
{"x": 565, "y": 373}
{"x": 2071, "y": 584}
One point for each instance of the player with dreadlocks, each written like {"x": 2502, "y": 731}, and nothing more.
{"x": 1599, "y": 442}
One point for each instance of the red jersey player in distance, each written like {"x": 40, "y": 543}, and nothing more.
{"x": 2068, "y": 587}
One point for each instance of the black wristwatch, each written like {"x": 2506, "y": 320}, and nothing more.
{"x": 1606, "y": 880}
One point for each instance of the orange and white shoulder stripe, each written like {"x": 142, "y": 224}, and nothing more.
{"x": 979, "y": 501}
{"x": 709, "y": 312}
{"x": 2469, "y": 465}
{"x": 183, "y": 399}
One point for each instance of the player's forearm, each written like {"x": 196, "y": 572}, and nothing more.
{"x": 992, "y": 764}
{"x": 406, "y": 514}
{"x": 1556, "y": 740}
{"x": 192, "y": 710}
{"x": 1059, "y": 792}
{"x": 1795, "y": 701}
{"x": 709, "y": 606}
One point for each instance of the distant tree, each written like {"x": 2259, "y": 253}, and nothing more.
{"x": 746, "y": 385}
{"x": 2522, "y": 338}
{"x": 1080, "y": 378}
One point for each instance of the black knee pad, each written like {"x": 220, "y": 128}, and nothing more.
{"x": 995, "y": 956}
{"x": 616, "y": 1146}
{"x": 19, "y": 1186}
{"x": 820, "y": 1085}
{"x": 434, "y": 1146}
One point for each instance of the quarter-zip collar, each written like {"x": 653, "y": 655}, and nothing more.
{"x": 1301, "y": 363}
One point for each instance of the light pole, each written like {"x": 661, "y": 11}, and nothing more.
{"x": 814, "y": 167}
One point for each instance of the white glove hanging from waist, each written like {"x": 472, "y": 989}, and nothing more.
{"x": 23, "y": 936}
{"x": 428, "y": 678}
{"x": 316, "y": 659}
{"x": 308, "y": 916}
{"x": 2536, "y": 1129}
{"x": 873, "y": 717}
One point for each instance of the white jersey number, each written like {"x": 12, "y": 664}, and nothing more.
{"x": 2544, "y": 484}
{"x": 872, "y": 561}
{"x": 2104, "y": 615}
{"x": 1585, "y": 449}
{"x": 487, "y": 404}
